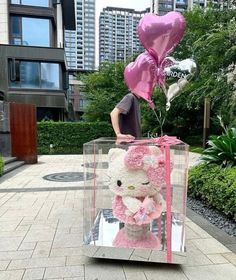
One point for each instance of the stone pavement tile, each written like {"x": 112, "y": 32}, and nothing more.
{"x": 8, "y": 224}
{"x": 211, "y": 272}
{"x": 42, "y": 250}
{"x": 190, "y": 234}
{"x": 27, "y": 246}
{"x": 199, "y": 231}
{"x": 4, "y": 264}
{"x": 165, "y": 272}
{"x": 3, "y": 210}
{"x": 17, "y": 233}
{"x": 37, "y": 263}
{"x": 210, "y": 246}
{"x": 76, "y": 230}
{"x": 10, "y": 244}
{"x": 104, "y": 271}
{"x": 68, "y": 271}
{"x": 63, "y": 240}
{"x": 34, "y": 274}
{"x": 79, "y": 260}
{"x": 11, "y": 275}
{"x": 21, "y": 228}
{"x": 134, "y": 272}
{"x": 45, "y": 210}
{"x": 63, "y": 252}
{"x": 6, "y": 197}
{"x": 217, "y": 258}
{"x": 74, "y": 278}
{"x": 195, "y": 257}
{"x": 70, "y": 221}
{"x": 15, "y": 255}
{"x": 44, "y": 233}
{"x": 10, "y": 214}
{"x": 38, "y": 223}
{"x": 231, "y": 257}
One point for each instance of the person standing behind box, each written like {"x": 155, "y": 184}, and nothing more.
{"x": 125, "y": 118}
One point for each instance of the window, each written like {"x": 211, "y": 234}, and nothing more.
{"x": 35, "y": 75}
{"x": 23, "y": 30}
{"x": 39, "y": 3}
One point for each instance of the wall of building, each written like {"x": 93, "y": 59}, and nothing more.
{"x": 4, "y": 39}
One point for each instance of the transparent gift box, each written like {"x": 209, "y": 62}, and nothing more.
{"x": 135, "y": 199}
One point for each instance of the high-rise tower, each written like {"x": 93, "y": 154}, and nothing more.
{"x": 118, "y": 39}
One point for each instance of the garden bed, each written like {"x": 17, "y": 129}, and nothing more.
{"x": 213, "y": 215}
{"x": 212, "y": 193}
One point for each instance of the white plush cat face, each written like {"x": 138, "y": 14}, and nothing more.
{"x": 126, "y": 182}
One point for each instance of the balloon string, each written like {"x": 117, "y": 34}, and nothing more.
{"x": 160, "y": 120}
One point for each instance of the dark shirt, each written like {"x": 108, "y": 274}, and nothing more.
{"x": 129, "y": 119}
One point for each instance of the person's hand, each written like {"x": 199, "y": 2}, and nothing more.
{"x": 124, "y": 138}
{"x": 121, "y": 136}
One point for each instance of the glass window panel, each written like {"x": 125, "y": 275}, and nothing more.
{"x": 35, "y": 32}
{"x": 15, "y": 1}
{"x": 16, "y": 41}
{"x": 15, "y": 84}
{"x": 41, "y": 3}
{"x": 50, "y": 76}
{"x": 29, "y": 74}
{"x": 15, "y": 26}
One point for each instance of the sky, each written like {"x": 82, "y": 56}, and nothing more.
{"x": 138, "y": 5}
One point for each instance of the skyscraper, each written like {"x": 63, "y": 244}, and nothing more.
{"x": 118, "y": 39}
{"x": 80, "y": 45}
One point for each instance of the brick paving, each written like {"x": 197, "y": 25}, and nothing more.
{"x": 41, "y": 234}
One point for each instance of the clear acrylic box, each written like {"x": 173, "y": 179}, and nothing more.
{"x": 135, "y": 200}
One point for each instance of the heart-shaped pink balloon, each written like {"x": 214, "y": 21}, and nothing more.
{"x": 140, "y": 77}
{"x": 161, "y": 34}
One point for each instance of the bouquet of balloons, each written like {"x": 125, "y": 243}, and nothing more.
{"x": 159, "y": 35}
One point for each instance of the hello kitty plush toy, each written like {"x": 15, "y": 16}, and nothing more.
{"x": 136, "y": 176}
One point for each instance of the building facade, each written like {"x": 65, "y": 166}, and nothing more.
{"x": 32, "y": 57}
{"x": 162, "y": 7}
{"x": 80, "y": 44}
{"x": 118, "y": 39}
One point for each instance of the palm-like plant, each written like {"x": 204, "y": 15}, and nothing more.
{"x": 222, "y": 150}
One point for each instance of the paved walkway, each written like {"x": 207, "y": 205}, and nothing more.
{"x": 41, "y": 234}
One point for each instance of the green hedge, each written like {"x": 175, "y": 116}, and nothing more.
{"x": 69, "y": 137}
{"x": 1, "y": 165}
{"x": 214, "y": 185}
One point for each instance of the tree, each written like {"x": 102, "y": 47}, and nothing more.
{"x": 104, "y": 89}
{"x": 210, "y": 39}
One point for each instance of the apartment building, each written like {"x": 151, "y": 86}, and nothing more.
{"x": 80, "y": 44}
{"x": 118, "y": 39}
{"x": 32, "y": 57}
{"x": 162, "y": 7}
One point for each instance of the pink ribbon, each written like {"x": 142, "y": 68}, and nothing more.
{"x": 168, "y": 206}
{"x": 165, "y": 142}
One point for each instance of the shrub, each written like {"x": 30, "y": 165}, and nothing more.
{"x": 214, "y": 185}
{"x": 1, "y": 165}
{"x": 69, "y": 137}
{"x": 222, "y": 150}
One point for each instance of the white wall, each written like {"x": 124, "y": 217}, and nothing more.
{"x": 4, "y": 22}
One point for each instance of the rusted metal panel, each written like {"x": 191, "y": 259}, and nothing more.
{"x": 23, "y": 132}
